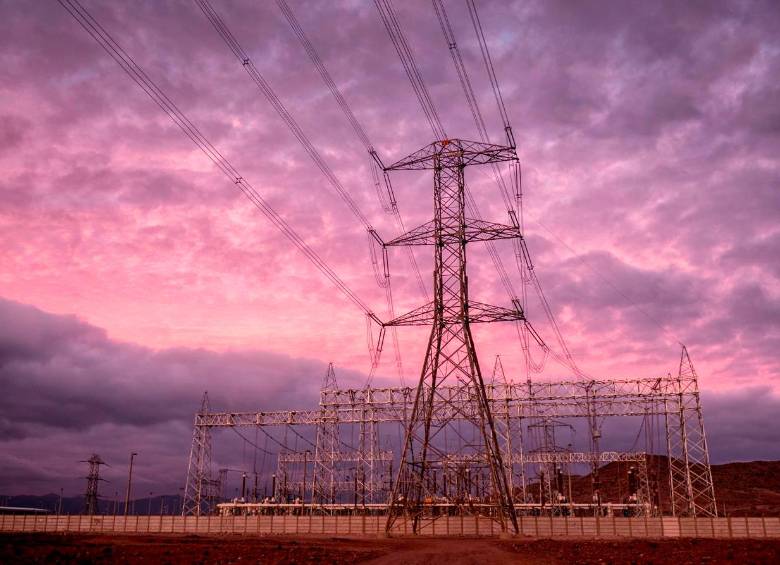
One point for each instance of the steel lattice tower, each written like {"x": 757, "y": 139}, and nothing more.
{"x": 326, "y": 450}
{"x": 690, "y": 475}
{"x": 451, "y": 357}
{"x": 93, "y": 479}
{"x": 199, "y": 485}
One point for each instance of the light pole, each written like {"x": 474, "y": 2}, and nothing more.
{"x": 129, "y": 482}
{"x": 149, "y": 509}
{"x": 59, "y": 506}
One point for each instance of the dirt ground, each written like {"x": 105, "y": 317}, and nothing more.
{"x": 83, "y": 549}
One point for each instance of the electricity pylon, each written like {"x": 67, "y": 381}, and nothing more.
{"x": 451, "y": 357}
{"x": 690, "y": 475}
{"x": 93, "y": 480}
{"x": 199, "y": 485}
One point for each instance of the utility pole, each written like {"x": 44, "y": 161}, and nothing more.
{"x": 451, "y": 357}
{"x": 129, "y": 482}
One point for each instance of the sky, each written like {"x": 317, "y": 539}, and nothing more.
{"x": 134, "y": 276}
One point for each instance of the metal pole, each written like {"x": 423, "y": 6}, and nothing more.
{"x": 149, "y": 508}
{"x": 303, "y": 490}
{"x": 129, "y": 482}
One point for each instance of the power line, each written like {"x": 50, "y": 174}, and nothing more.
{"x": 242, "y": 56}
{"x": 232, "y": 42}
{"x": 136, "y": 73}
{"x": 522, "y": 256}
{"x": 390, "y": 204}
{"x": 397, "y": 37}
{"x": 386, "y": 197}
{"x": 490, "y": 68}
{"x": 311, "y": 51}
{"x": 394, "y": 31}
{"x": 253, "y": 444}
{"x": 471, "y": 98}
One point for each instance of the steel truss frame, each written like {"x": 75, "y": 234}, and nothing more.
{"x": 674, "y": 398}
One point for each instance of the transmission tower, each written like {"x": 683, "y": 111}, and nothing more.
{"x": 326, "y": 448}
{"x": 451, "y": 357}
{"x": 690, "y": 475}
{"x": 93, "y": 478}
{"x": 199, "y": 486}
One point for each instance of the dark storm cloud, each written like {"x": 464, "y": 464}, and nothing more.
{"x": 59, "y": 372}
{"x": 606, "y": 289}
{"x": 69, "y": 390}
{"x": 72, "y": 391}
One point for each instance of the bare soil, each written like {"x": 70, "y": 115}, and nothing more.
{"x": 83, "y": 549}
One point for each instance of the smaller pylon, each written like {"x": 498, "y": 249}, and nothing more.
{"x": 93, "y": 479}
{"x": 690, "y": 475}
{"x": 199, "y": 484}
{"x": 327, "y": 448}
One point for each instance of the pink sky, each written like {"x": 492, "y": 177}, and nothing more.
{"x": 649, "y": 139}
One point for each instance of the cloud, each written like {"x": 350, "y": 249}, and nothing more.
{"x": 649, "y": 141}
{"x": 70, "y": 390}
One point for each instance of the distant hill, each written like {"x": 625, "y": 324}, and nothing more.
{"x": 168, "y": 504}
{"x": 750, "y": 488}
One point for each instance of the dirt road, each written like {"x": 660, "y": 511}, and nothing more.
{"x": 47, "y": 548}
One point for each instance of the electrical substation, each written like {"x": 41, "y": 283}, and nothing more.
{"x": 466, "y": 440}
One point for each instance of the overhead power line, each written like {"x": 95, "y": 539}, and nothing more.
{"x": 397, "y": 37}
{"x": 243, "y": 57}
{"x": 390, "y": 204}
{"x": 233, "y": 44}
{"x": 137, "y": 74}
{"x": 471, "y": 99}
{"x": 490, "y": 68}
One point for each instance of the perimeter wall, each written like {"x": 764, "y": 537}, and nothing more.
{"x": 543, "y": 526}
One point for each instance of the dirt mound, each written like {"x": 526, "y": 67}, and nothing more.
{"x": 741, "y": 489}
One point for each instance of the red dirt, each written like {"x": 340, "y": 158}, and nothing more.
{"x": 48, "y": 548}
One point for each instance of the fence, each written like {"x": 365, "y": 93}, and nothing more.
{"x": 535, "y": 526}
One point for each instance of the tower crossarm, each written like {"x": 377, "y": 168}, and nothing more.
{"x": 467, "y": 152}
{"x": 474, "y": 230}
{"x": 476, "y": 313}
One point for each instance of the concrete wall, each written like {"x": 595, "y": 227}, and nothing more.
{"x": 590, "y": 527}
